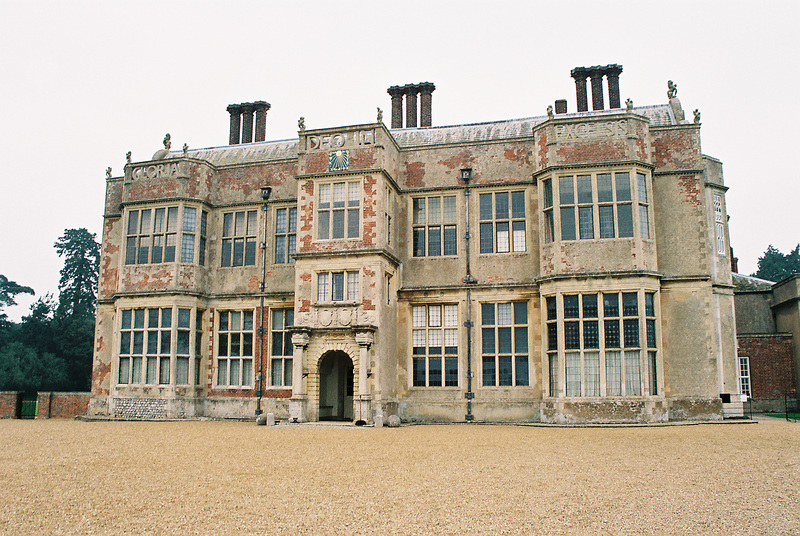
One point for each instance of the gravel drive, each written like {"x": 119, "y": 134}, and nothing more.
{"x": 202, "y": 477}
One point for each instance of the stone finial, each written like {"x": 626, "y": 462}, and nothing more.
{"x": 108, "y": 172}
{"x": 380, "y": 115}
{"x": 128, "y": 157}
{"x": 549, "y": 112}
{"x": 697, "y": 117}
{"x": 628, "y": 105}
{"x": 672, "y": 89}
{"x": 167, "y": 142}
{"x": 301, "y": 124}
{"x": 185, "y": 149}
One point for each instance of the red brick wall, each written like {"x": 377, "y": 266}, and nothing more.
{"x": 62, "y": 405}
{"x": 8, "y": 404}
{"x": 771, "y": 366}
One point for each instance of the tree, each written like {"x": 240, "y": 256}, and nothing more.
{"x": 78, "y": 284}
{"x": 8, "y": 291}
{"x": 775, "y": 266}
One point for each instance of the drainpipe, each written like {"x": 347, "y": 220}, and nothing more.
{"x": 466, "y": 176}
{"x": 265, "y": 193}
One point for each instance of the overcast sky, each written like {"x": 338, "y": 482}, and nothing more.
{"x": 85, "y": 82}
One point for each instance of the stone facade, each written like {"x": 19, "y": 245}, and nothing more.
{"x": 561, "y": 268}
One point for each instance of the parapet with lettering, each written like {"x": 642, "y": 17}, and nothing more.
{"x": 601, "y": 139}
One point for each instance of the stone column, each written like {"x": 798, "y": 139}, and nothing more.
{"x": 261, "y": 119}
{"x": 236, "y": 118}
{"x": 299, "y": 401}
{"x": 397, "y": 105}
{"x": 364, "y": 402}
{"x": 425, "y": 97}
{"x": 612, "y": 73}
{"x": 247, "y": 122}
{"x": 579, "y": 74}
{"x": 411, "y": 105}
{"x": 596, "y": 74}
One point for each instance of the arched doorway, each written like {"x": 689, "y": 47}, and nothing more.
{"x": 336, "y": 387}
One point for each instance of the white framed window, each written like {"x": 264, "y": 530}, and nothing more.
{"x": 337, "y": 286}
{"x": 434, "y": 226}
{"x": 434, "y": 337}
{"x": 338, "y": 209}
{"x": 281, "y": 349}
{"x": 285, "y": 234}
{"x": 235, "y": 335}
{"x": 155, "y": 349}
{"x": 504, "y": 344}
{"x": 239, "y": 235}
{"x": 745, "y": 387}
{"x": 502, "y": 222}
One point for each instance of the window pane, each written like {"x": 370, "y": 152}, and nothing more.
{"x": 419, "y": 372}
{"x": 625, "y": 215}
{"x": 503, "y": 314}
{"x": 353, "y": 227}
{"x": 487, "y": 314}
{"x": 613, "y": 373}
{"x": 187, "y": 248}
{"x": 352, "y": 286}
{"x": 435, "y": 371}
{"x": 521, "y": 371}
{"x": 451, "y": 372}
{"x": 566, "y": 190}
{"x": 586, "y": 223}
{"x": 630, "y": 329}
{"x": 630, "y": 304}
{"x": 653, "y": 374}
{"x": 521, "y": 313}
{"x": 503, "y": 245}
{"x": 504, "y": 341}
{"x": 548, "y": 193}
{"x": 247, "y": 372}
{"x": 419, "y": 242}
{"x": 633, "y": 381}
{"x": 519, "y": 236}
{"x": 517, "y": 204}
{"x": 450, "y": 240}
{"x": 338, "y": 286}
{"x": 553, "y": 373}
{"x": 552, "y": 336}
{"x": 486, "y": 238}
{"x": 487, "y": 341}
{"x": 568, "y": 223}
{"x": 584, "y": 188}
{"x": 572, "y": 335}
{"x": 589, "y": 305}
{"x": 591, "y": 364}
{"x": 485, "y": 207}
{"x": 610, "y": 305}
{"x": 520, "y": 340}
{"x": 287, "y": 372}
{"x": 163, "y": 375}
{"x": 434, "y": 210}
{"x": 418, "y": 316}
{"x": 501, "y": 205}
{"x": 641, "y": 184}
{"x": 419, "y": 210}
{"x": 571, "y": 306}
{"x": 250, "y": 252}
{"x": 644, "y": 222}
{"x": 277, "y": 371}
{"x": 434, "y": 241}
{"x": 551, "y": 308}
{"x": 449, "y": 209}
{"x": 505, "y": 370}
{"x": 651, "y": 333}
{"x": 623, "y": 183}
{"x": 573, "y": 373}
{"x": 611, "y": 328}
{"x": 605, "y": 194}
{"x": 222, "y": 372}
{"x": 124, "y": 369}
{"x": 606, "y": 214}
{"x": 338, "y": 224}
{"x": 323, "y": 227}
{"x": 280, "y": 249}
{"x": 488, "y": 371}
{"x": 182, "y": 371}
{"x": 591, "y": 335}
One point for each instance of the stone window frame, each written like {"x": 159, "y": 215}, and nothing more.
{"x": 234, "y": 233}
{"x": 328, "y": 283}
{"x": 719, "y": 224}
{"x": 590, "y": 215}
{"x": 492, "y": 353}
{"x": 226, "y": 332}
{"x": 285, "y": 234}
{"x": 350, "y": 209}
{"x": 434, "y": 322}
{"x": 188, "y": 236}
{"x": 646, "y": 364}
{"x": 161, "y": 347}
{"x": 492, "y": 218}
{"x": 281, "y": 351}
{"x": 428, "y": 223}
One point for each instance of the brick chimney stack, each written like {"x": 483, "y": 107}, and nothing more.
{"x": 410, "y": 91}
{"x": 242, "y": 122}
{"x": 425, "y": 97}
{"x": 596, "y": 74}
{"x": 411, "y": 105}
{"x": 396, "y": 93}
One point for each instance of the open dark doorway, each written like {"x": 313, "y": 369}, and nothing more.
{"x": 336, "y": 387}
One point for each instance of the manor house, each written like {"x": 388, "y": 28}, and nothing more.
{"x": 565, "y": 267}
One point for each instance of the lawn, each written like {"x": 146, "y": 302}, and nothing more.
{"x": 65, "y": 477}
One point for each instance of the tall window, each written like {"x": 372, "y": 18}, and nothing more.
{"x": 719, "y": 224}
{"x": 502, "y": 222}
{"x": 609, "y": 344}
{"x": 235, "y": 349}
{"x": 285, "y": 234}
{"x": 549, "y": 225}
{"x": 435, "y": 345}
{"x": 239, "y": 232}
{"x": 149, "y": 338}
{"x": 337, "y": 286}
{"x": 281, "y": 348}
{"x": 504, "y": 344}
{"x": 338, "y": 210}
{"x": 601, "y": 205}
{"x": 434, "y": 224}
{"x": 744, "y": 376}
